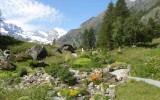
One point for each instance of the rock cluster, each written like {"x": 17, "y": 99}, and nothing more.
{"x": 37, "y": 78}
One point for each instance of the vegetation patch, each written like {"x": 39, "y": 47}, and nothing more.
{"x": 134, "y": 90}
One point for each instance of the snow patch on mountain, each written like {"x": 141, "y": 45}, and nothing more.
{"x": 38, "y": 36}
{"x": 60, "y": 31}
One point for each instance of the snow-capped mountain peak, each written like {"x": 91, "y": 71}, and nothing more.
{"x": 38, "y": 36}
{"x": 60, "y": 31}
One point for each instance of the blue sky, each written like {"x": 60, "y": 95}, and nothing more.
{"x": 33, "y": 15}
{"x": 77, "y": 11}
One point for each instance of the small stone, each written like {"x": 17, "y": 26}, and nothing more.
{"x": 90, "y": 85}
{"x": 108, "y": 90}
{"x": 112, "y": 86}
{"x": 59, "y": 94}
{"x": 98, "y": 87}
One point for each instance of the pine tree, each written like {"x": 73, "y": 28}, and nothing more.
{"x": 121, "y": 9}
{"x": 153, "y": 26}
{"x": 157, "y": 21}
{"x": 105, "y": 34}
{"x": 136, "y": 32}
{"x": 88, "y": 39}
{"x": 118, "y": 33}
{"x": 92, "y": 39}
{"x": 121, "y": 12}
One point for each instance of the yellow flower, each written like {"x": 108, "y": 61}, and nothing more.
{"x": 73, "y": 93}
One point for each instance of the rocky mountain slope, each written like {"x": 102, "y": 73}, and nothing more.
{"x": 149, "y": 8}
{"x": 38, "y": 36}
{"x": 73, "y": 37}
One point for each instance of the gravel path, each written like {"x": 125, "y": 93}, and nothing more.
{"x": 124, "y": 73}
{"x": 149, "y": 81}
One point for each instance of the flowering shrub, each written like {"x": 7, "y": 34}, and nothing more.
{"x": 93, "y": 77}
{"x": 73, "y": 93}
{"x": 68, "y": 93}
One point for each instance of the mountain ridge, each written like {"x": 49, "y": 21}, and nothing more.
{"x": 73, "y": 37}
{"x": 37, "y": 36}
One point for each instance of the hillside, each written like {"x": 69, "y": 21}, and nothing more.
{"x": 73, "y": 37}
{"x": 148, "y": 7}
{"x": 6, "y": 41}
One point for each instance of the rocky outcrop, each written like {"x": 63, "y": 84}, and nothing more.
{"x": 5, "y": 64}
{"x": 38, "y": 52}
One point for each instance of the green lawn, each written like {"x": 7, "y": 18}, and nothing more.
{"x": 145, "y": 61}
{"x": 137, "y": 91}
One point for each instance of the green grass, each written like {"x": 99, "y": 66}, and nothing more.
{"x": 31, "y": 93}
{"x": 6, "y": 75}
{"x": 145, "y": 61}
{"x": 22, "y": 47}
{"x": 137, "y": 91}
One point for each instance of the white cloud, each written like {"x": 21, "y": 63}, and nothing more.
{"x": 29, "y": 14}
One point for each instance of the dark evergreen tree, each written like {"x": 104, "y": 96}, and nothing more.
{"x": 118, "y": 33}
{"x": 91, "y": 38}
{"x": 136, "y": 32}
{"x": 88, "y": 39}
{"x": 157, "y": 26}
{"x": 153, "y": 26}
{"x": 121, "y": 9}
{"x": 121, "y": 12}
{"x": 105, "y": 34}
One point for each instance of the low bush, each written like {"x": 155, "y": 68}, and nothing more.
{"x": 63, "y": 74}
{"x": 82, "y": 91}
{"x": 105, "y": 86}
{"x": 22, "y": 72}
{"x": 66, "y": 77}
{"x": 85, "y": 63}
{"x": 33, "y": 63}
{"x": 68, "y": 93}
{"x": 86, "y": 81}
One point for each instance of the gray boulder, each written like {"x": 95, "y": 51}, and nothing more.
{"x": 38, "y": 52}
{"x": 6, "y": 65}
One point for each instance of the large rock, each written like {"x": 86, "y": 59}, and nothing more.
{"x": 38, "y": 52}
{"x": 66, "y": 47}
{"x": 5, "y": 64}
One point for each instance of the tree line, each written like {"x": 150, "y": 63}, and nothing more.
{"x": 120, "y": 27}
